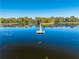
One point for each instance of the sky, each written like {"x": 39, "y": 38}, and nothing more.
{"x": 39, "y": 8}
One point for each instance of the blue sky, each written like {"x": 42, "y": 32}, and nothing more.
{"x": 39, "y": 8}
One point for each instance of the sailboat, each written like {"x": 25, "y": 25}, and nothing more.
{"x": 40, "y": 31}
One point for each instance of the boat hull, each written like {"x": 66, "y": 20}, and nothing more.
{"x": 40, "y": 32}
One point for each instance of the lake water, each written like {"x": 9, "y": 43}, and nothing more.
{"x": 24, "y": 43}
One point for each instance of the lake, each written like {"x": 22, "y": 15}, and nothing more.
{"x": 24, "y": 43}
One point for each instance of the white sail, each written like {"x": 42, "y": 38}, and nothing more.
{"x": 40, "y": 27}
{"x": 40, "y": 31}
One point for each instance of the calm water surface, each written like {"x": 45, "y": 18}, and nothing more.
{"x": 24, "y": 43}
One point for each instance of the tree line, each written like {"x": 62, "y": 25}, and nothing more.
{"x": 21, "y": 21}
{"x": 37, "y": 20}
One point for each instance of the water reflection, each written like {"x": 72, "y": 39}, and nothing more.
{"x": 24, "y": 43}
{"x": 27, "y": 26}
